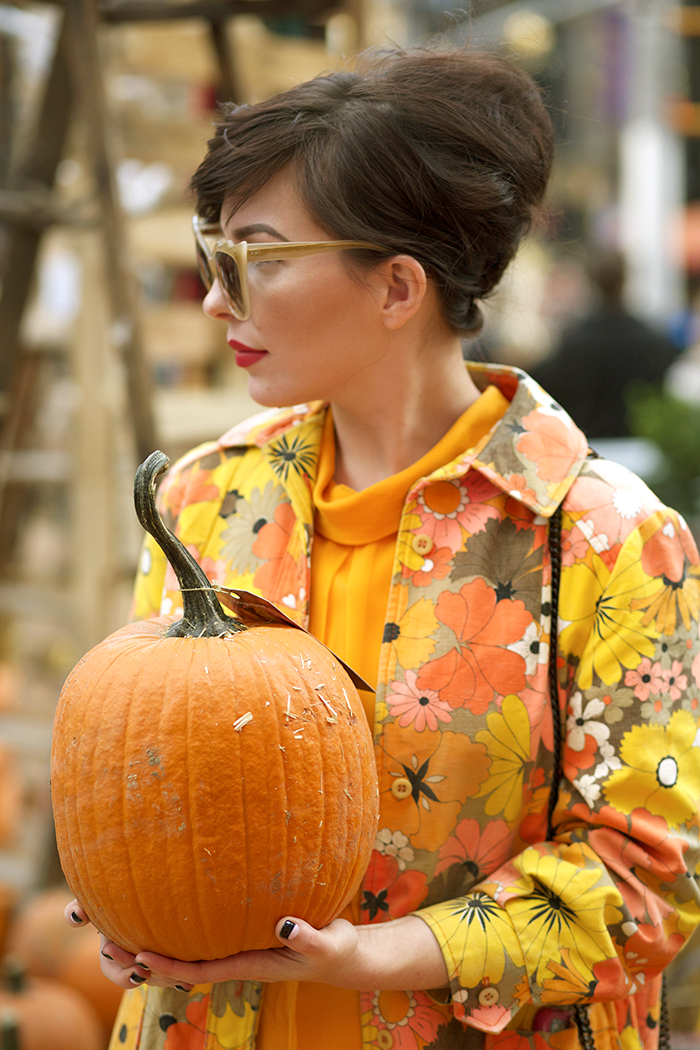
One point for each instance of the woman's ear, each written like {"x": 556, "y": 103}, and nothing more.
{"x": 404, "y": 284}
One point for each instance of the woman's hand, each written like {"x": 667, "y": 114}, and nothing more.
{"x": 399, "y": 954}
{"x": 117, "y": 964}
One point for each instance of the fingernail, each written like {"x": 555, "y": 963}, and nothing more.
{"x": 181, "y": 988}
{"x": 289, "y": 930}
{"x": 135, "y": 979}
{"x": 108, "y": 956}
{"x": 76, "y": 918}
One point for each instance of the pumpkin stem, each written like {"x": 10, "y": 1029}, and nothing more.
{"x": 202, "y": 617}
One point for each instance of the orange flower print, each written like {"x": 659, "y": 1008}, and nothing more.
{"x": 548, "y": 444}
{"x": 669, "y": 555}
{"x": 519, "y": 489}
{"x": 645, "y": 679}
{"x": 445, "y": 507}
{"x": 278, "y": 578}
{"x": 190, "y": 486}
{"x": 480, "y": 666}
{"x": 509, "y": 1041}
{"x": 582, "y": 758}
{"x": 189, "y": 1034}
{"x": 404, "y": 1020}
{"x": 388, "y": 892}
{"x": 481, "y": 852}
{"x": 434, "y": 566}
{"x": 417, "y": 707}
{"x": 423, "y": 789}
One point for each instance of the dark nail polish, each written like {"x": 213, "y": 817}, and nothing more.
{"x": 76, "y": 918}
{"x": 108, "y": 956}
{"x": 181, "y": 989}
{"x": 135, "y": 979}
{"x": 287, "y": 928}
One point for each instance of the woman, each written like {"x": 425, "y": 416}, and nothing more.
{"x": 401, "y": 510}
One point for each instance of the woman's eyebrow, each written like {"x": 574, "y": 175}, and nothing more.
{"x": 243, "y": 232}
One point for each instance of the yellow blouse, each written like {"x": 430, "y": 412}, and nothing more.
{"x": 354, "y": 543}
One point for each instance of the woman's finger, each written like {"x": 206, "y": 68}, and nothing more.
{"x": 75, "y": 915}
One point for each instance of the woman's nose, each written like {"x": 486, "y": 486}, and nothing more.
{"x": 215, "y": 303}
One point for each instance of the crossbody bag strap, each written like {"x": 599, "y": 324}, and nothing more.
{"x": 583, "y": 1021}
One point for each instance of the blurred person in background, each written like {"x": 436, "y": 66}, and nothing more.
{"x": 600, "y": 355}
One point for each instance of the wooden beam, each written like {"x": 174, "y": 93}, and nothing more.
{"x": 123, "y": 293}
{"x": 37, "y": 209}
{"x": 39, "y": 169}
{"x": 211, "y": 10}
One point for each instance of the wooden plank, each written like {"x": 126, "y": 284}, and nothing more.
{"x": 39, "y": 169}
{"x": 125, "y": 330}
{"x": 211, "y": 10}
{"x": 228, "y": 88}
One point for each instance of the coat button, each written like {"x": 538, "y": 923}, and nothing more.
{"x": 402, "y": 787}
{"x": 422, "y": 543}
{"x": 489, "y": 996}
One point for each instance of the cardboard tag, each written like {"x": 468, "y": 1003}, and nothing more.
{"x": 252, "y": 611}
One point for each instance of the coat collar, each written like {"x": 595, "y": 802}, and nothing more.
{"x": 534, "y": 452}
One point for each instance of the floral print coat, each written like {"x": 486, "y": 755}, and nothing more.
{"x": 463, "y": 727}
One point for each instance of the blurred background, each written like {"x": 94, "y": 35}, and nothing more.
{"x": 105, "y": 110}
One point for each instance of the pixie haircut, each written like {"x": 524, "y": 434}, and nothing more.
{"x": 441, "y": 155}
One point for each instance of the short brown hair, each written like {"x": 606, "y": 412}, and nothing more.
{"x": 441, "y": 155}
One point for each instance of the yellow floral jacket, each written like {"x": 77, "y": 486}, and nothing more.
{"x": 463, "y": 727}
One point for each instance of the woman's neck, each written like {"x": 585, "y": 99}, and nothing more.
{"x": 395, "y": 425}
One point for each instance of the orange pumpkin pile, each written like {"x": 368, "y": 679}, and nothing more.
{"x": 209, "y": 778}
{"x": 48, "y": 1015}
{"x": 44, "y": 944}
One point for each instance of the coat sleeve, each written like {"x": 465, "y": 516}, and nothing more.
{"x": 597, "y": 913}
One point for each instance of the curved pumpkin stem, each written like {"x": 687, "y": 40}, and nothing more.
{"x": 202, "y": 617}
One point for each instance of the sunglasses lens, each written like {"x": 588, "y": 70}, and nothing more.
{"x": 230, "y": 280}
{"x": 204, "y": 267}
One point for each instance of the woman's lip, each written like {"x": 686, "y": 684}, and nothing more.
{"x": 245, "y": 355}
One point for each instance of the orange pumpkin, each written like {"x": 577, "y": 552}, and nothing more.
{"x": 209, "y": 778}
{"x": 50, "y": 1016}
{"x": 46, "y": 946}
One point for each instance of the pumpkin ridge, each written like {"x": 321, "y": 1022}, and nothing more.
{"x": 208, "y": 923}
{"x": 136, "y": 897}
{"x": 105, "y": 672}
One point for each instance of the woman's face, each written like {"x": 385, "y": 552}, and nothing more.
{"x": 315, "y": 331}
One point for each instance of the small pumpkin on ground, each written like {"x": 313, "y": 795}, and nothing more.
{"x": 46, "y": 946}
{"x": 47, "y": 1014}
{"x": 209, "y": 777}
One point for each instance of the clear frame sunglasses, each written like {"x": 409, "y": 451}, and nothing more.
{"x": 227, "y": 261}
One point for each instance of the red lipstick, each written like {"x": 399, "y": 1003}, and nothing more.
{"x": 246, "y": 355}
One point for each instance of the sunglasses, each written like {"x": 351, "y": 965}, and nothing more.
{"x": 227, "y": 260}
